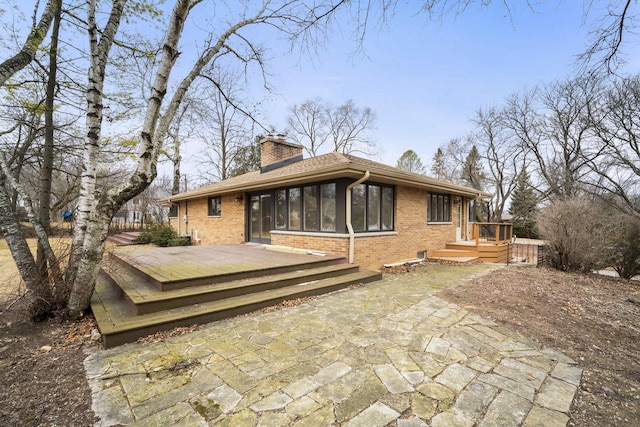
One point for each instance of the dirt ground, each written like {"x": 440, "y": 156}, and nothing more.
{"x": 590, "y": 318}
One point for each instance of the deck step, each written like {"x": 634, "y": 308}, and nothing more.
{"x": 455, "y": 253}
{"x": 125, "y": 238}
{"x": 144, "y": 297}
{"x": 176, "y": 276}
{"x": 119, "y": 324}
{"x": 455, "y": 259}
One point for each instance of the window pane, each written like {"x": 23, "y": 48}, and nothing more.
{"x": 387, "y": 208}
{"x": 255, "y": 216}
{"x": 281, "y": 209}
{"x": 373, "y": 208}
{"x": 214, "y": 206}
{"x": 294, "y": 209}
{"x": 446, "y": 209}
{"x": 328, "y": 207}
{"x": 265, "y": 212}
{"x": 311, "y": 208}
{"x": 358, "y": 200}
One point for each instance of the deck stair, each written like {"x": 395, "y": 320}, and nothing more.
{"x": 125, "y": 239}
{"x": 132, "y": 301}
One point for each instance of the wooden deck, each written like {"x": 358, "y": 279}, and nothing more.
{"x": 483, "y": 252}
{"x": 148, "y": 290}
{"x": 490, "y": 243}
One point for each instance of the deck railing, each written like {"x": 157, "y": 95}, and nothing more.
{"x": 492, "y": 233}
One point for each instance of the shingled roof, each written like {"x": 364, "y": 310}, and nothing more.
{"x": 329, "y": 166}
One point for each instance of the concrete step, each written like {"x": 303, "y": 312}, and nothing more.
{"x": 144, "y": 297}
{"x": 119, "y": 324}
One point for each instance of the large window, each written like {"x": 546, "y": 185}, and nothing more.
{"x": 215, "y": 206}
{"x": 372, "y": 208}
{"x": 308, "y": 208}
{"x": 439, "y": 209}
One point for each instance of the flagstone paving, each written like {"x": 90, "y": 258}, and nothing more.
{"x": 387, "y": 353}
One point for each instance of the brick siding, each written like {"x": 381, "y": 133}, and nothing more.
{"x": 412, "y": 234}
{"x": 228, "y": 228}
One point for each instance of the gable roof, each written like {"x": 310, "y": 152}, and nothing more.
{"x": 328, "y": 166}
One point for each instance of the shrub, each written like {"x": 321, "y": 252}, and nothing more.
{"x": 161, "y": 235}
{"x": 578, "y": 234}
{"x": 626, "y": 252}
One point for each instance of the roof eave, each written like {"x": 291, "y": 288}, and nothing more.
{"x": 349, "y": 170}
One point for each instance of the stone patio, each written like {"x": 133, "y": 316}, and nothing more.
{"x": 386, "y": 353}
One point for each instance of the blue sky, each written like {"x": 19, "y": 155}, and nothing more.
{"x": 425, "y": 79}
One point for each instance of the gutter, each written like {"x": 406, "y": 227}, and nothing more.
{"x": 352, "y": 234}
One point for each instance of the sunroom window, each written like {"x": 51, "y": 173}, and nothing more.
{"x": 372, "y": 208}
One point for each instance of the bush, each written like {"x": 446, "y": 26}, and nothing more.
{"x": 626, "y": 253}
{"x": 578, "y": 234}
{"x": 161, "y": 235}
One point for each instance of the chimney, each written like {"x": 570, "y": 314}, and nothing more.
{"x": 275, "y": 152}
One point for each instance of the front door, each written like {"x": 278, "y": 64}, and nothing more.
{"x": 459, "y": 224}
{"x": 261, "y": 214}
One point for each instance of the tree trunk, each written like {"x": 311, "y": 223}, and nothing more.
{"x": 95, "y": 215}
{"x": 26, "y": 264}
{"x": 100, "y": 43}
{"x": 47, "y": 155}
{"x": 89, "y": 266}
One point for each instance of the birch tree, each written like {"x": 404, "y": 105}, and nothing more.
{"x": 294, "y": 19}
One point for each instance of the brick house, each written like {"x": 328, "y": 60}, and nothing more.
{"x": 341, "y": 204}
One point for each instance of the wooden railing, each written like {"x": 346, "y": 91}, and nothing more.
{"x": 492, "y": 233}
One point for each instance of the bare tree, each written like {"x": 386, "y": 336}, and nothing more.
{"x": 617, "y": 128}
{"x": 291, "y": 18}
{"x": 318, "y": 126}
{"x": 229, "y": 122}
{"x": 552, "y": 123}
{"x": 348, "y": 128}
{"x": 503, "y": 156}
{"x": 608, "y": 38}
{"x": 308, "y": 125}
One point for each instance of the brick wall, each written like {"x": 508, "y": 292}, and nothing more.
{"x": 337, "y": 245}
{"x": 226, "y": 229}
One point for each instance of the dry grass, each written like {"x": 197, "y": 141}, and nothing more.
{"x": 11, "y": 285}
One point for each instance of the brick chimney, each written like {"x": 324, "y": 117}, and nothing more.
{"x": 275, "y": 152}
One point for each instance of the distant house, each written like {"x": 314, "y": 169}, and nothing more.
{"x": 341, "y": 204}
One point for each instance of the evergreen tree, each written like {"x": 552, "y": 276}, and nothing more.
{"x": 439, "y": 165}
{"x": 410, "y": 161}
{"x": 473, "y": 174}
{"x": 247, "y": 158}
{"x": 524, "y": 206}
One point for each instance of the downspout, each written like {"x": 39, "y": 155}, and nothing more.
{"x": 352, "y": 234}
